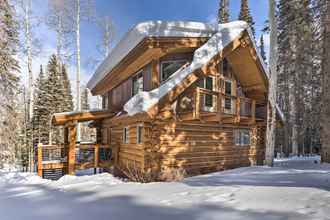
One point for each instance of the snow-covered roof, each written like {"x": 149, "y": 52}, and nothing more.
{"x": 225, "y": 34}
{"x": 148, "y": 29}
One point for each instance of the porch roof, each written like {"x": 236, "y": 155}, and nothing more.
{"x": 80, "y": 116}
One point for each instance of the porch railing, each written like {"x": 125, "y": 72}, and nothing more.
{"x": 87, "y": 155}
{"x": 206, "y": 101}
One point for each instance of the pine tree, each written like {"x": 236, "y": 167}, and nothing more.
{"x": 67, "y": 94}
{"x": 41, "y": 111}
{"x": 9, "y": 129}
{"x": 298, "y": 75}
{"x": 262, "y": 48}
{"x": 54, "y": 97}
{"x": 245, "y": 15}
{"x": 223, "y": 12}
{"x": 84, "y": 99}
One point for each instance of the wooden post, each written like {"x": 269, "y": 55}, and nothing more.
{"x": 197, "y": 103}
{"x": 40, "y": 159}
{"x": 96, "y": 157}
{"x": 253, "y": 111}
{"x": 219, "y": 104}
{"x": 155, "y": 74}
{"x": 72, "y": 149}
{"x": 238, "y": 110}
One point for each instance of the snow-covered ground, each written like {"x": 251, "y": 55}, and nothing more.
{"x": 293, "y": 189}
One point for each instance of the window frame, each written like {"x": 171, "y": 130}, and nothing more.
{"x": 231, "y": 87}
{"x": 239, "y": 137}
{"x": 105, "y": 101}
{"x": 205, "y": 107}
{"x": 169, "y": 61}
{"x": 139, "y": 134}
{"x": 136, "y": 76}
{"x": 126, "y": 135}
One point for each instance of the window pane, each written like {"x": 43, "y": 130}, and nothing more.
{"x": 168, "y": 68}
{"x": 139, "y": 134}
{"x": 125, "y": 135}
{"x": 208, "y": 100}
{"x": 228, "y": 103}
{"x": 228, "y": 87}
{"x": 137, "y": 84}
{"x": 209, "y": 83}
{"x": 246, "y": 137}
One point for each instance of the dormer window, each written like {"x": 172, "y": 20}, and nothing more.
{"x": 170, "y": 67}
{"x": 137, "y": 82}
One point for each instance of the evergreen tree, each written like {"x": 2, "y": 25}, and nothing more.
{"x": 298, "y": 80}
{"x": 245, "y": 15}
{"x": 41, "y": 111}
{"x": 223, "y": 12}
{"x": 84, "y": 99}
{"x": 9, "y": 129}
{"x": 67, "y": 94}
{"x": 262, "y": 48}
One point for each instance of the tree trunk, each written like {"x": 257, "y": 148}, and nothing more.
{"x": 271, "y": 110}
{"x": 78, "y": 107}
{"x": 325, "y": 122}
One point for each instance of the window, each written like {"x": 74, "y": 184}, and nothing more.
{"x": 242, "y": 137}
{"x": 170, "y": 67}
{"x": 105, "y": 101}
{"x": 207, "y": 83}
{"x": 125, "y": 135}
{"x": 228, "y": 87}
{"x": 228, "y": 103}
{"x": 139, "y": 134}
{"x": 137, "y": 82}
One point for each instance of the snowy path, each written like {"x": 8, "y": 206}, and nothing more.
{"x": 296, "y": 189}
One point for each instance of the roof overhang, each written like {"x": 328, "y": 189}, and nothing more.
{"x": 141, "y": 31}
{"x": 64, "y": 118}
{"x": 150, "y": 48}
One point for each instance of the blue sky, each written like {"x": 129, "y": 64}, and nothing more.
{"x": 126, "y": 13}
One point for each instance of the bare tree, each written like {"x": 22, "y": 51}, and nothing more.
{"x": 107, "y": 30}
{"x": 57, "y": 20}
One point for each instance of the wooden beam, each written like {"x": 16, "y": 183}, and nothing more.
{"x": 72, "y": 150}
{"x": 70, "y": 118}
{"x": 96, "y": 156}
{"x": 40, "y": 159}
{"x": 155, "y": 73}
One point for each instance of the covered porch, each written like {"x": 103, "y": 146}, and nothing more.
{"x": 55, "y": 160}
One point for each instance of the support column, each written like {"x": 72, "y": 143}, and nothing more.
{"x": 72, "y": 149}
{"x": 40, "y": 159}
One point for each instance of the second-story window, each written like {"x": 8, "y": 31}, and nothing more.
{"x": 208, "y": 84}
{"x": 105, "y": 101}
{"x": 228, "y": 87}
{"x": 137, "y": 82}
{"x": 170, "y": 67}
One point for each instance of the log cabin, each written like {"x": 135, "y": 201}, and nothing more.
{"x": 178, "y": 96}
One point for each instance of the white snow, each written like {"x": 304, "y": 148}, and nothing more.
{"x": 297, "y": 188}
{"x": 226, "y": 33}
{"x": 148, "y": 29}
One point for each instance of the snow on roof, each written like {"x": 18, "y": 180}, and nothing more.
{"x": 149, "y": 29}
{"x": 226, "y": 34}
